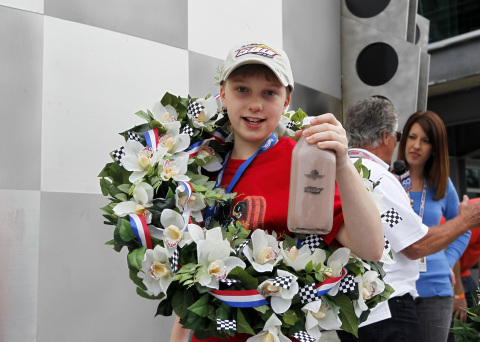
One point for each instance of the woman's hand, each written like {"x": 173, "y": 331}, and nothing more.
{"x": 328, "y": 133}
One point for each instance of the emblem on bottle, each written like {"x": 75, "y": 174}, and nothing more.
{"x": 312, "y": 189}
{"x": 314, "y": 174}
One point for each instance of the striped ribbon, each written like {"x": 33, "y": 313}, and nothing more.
{"x": 240, "y": 299}
{"x": 151, "y": 137}
{"x": 327, "y": 285}
{"x": 140, "y": 229}
{"x": 218, "y": 135}
{"x": 186, "y": 213}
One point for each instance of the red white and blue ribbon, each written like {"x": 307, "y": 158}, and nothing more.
{"x": 328, "y": 284}
{"x": 151, "y": 138}
{"x": 240, "y": 299}
{"x": 140, "y": 229}
{"x": 218, "y": 135}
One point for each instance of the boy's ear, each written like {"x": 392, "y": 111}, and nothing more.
{"x": 287, "y": 101}
{"x": 222, "y": 97}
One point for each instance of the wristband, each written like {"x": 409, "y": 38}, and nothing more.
{"x": 459, "y": 296}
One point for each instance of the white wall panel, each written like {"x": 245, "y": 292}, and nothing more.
{"x": 94, "y": 81}
{"x": 26, "y": 5}
{"x": 84, "y": 291}
{"x": 215, "y": 26}
{"x": 19, "y": 232}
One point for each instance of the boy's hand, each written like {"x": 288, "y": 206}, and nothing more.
{"x": 328, "y": 133}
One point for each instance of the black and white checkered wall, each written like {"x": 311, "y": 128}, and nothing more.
{"x": 72, "y": 73}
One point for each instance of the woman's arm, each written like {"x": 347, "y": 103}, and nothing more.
{"x": 362, "y": 231}
{"x": 178, "y": 333}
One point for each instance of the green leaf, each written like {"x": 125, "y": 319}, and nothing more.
{"x": 143, "y": 294}
{"x": 200, "y": 307}
{"x": 242, "y": 324}
{"x": 136, "y": 280}
{"x": 126, "y": 232}
{"x": 290, "y": 317}
{"x": 181, "y": 301}
{"x": 309, "y": 267}
{"x": 347, "y": 314}
{"x": 135, "y": 258}
{"x": 224, "y": 311}
{"x": 105, "y": 186}
{"x": 247, "y": 280}
{"x": 146, "y": 116}
{"x": 125, "y": 188}
{"x": 288, "y": 242}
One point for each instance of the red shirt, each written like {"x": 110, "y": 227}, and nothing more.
{"x": 264, "y": 187}
{"x": 472, "y": 254}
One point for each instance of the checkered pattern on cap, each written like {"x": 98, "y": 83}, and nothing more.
{"x": 391, "y": 217}
{"x": 241, "y": 246}
{"x": 174, "y": 263}
{"x": 313, "y": 241}
{"x": 284, "y": 281}
{"x": 194, "y": 109}
{"x": 225, "y": 324}
{"x": 347, "y": 284}
{"x": 118, "y": 155}
{"x": 229, "y": 282}
{"x": 290, "y": 124}
{"x": 308, "y": 294}
{"x": 188, "y": 130}
{"x": 132, "y": 136}
{"x": 303, "y": 337}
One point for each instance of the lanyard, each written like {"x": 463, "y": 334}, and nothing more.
{"x": 422, "y": 200}
{"x": 211, "y": 211}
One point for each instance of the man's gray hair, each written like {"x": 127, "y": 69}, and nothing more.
{"x": 368, "y": 119}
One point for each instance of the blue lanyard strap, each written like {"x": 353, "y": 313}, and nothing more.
{"x": 211, "y": 211}
{"x": 422, "y": 201}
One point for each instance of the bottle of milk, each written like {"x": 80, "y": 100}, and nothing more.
{"x": 312, "y": 188}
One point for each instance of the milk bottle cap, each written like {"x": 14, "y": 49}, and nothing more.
{"x": 306, "y": 121}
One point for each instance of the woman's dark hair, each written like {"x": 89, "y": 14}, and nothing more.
{"x": 437, "y": 167}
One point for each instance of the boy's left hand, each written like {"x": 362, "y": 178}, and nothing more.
{"x": 328, "y": 133}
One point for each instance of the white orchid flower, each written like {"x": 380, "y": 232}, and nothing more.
{"x": 204, "y": 119}
{"x": 281, "y": 298}
{"x": 334, "y": 266}
{"x": 215, "y": 163}
{"x": 174, "y": 142}
{"x": 195, "y": 204}
{"x": 157, "y": 269}
{"x": 175, "y": 168}
{"x": 369, "y": 285}
{"x": 296, "y": 258}
{"x": 319, "y": 316}
{"x": 138, "y": 159}
{"x": 142, "y": 198}
{"x": 214, "y": 254}
{"x": 272, "y": 332}
{"x": 173, "y": 233}
{"x": 265, "y": 253}
{"x": 167, "y": 116}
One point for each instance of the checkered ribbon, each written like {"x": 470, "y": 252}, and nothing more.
{"x": 284, "y": 281}
{"x": 225, "y": 324}
{"x": 117, "y": 155}
{"x": 133, "y": 136}
{"x": 313, "y": 241}
{"x": 347, "y": 284}
{"x": 194, "y": 109}
{"x": 174, "y": 262}
{"x": 188, "y": 130}
{"x": 308, "y": 294}
{"x": 228, "y": 282}
{"x": 241, "y": 246}
{"x": 391, "y": 217}
{"x": 302, "y": 336}
{"x": 290, "y": 124}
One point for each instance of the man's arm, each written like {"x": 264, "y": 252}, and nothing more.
{"x": 439, "y": 237}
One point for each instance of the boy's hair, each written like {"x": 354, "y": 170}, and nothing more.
{"x": 258, "y": 54}
{"x": 255, "y": 70}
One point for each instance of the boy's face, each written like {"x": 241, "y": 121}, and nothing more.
{"x": 255, "y": 106}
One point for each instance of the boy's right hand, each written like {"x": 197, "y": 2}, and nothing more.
{"x": 328, "y": 133}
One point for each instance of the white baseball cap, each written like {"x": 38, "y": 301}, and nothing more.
{"x": 259, "y": 53}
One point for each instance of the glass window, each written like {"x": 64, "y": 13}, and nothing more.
{"x": 449, "y": 18}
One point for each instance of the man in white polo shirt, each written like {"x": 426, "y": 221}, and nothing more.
{"x": 372, "y": 129}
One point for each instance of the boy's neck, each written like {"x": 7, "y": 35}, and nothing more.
{"x": 245, "y": 149}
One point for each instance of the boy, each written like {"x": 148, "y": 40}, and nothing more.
{"x": 256, "y": 85}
